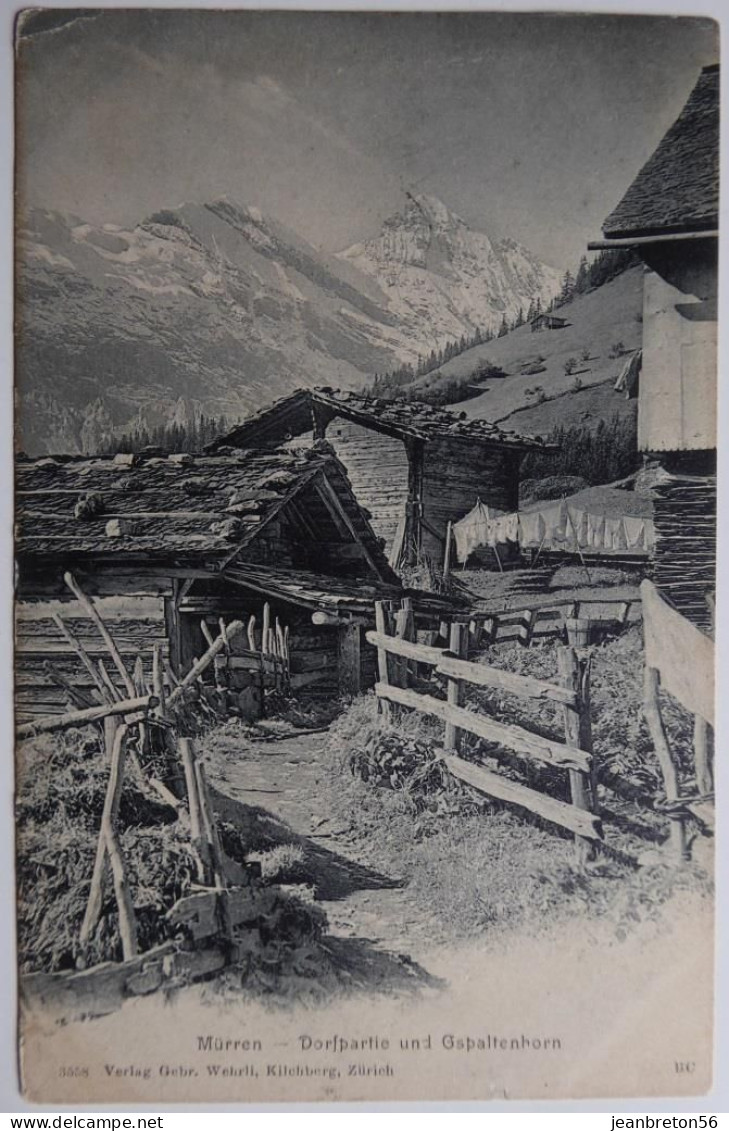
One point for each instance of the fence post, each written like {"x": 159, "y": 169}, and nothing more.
{"x": 198, "y": 839}
{"x": 447, "y": 555}
{"x": 526, "y": 628}
{"x": 491, "y": 628}
{"x": 652, "y": 712}
{"x": 702, "y": 761}
{"x": 383, "y": 707}
{"x": 458, "y": 645}
{"x": 404, "y": 624}
{"x": 578, "y": 631}
{"x": 575, "y": 674}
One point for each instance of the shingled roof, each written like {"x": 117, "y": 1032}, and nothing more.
{"x": 185, "y": 508}
{"x": 337, "y": 594}
{"x": 677, "y": 190}
{"x": 293, "y": 415}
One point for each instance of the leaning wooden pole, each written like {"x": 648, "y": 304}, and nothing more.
{"x": 198, "y": 838}
{"x": 205, "y": 660}
{"x": 82, "y": 655}
{"x": 448, "y": 551}
{"x": 664, "y": 754}
{"x": 124, "y": 903}
{"x": 89, "y": 715}
{"x": 575, "y": 675}
{"x": 94, "y": 615}
{"x": 110, "y": 812}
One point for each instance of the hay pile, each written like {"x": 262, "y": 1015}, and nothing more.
{"x": 61, "y": 788}
{"x": 61, "y": 785}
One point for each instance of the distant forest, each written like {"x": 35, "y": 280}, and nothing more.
{"x": 600, "y": 454}
{"x": 166, "y": 438}
{"x": 605, "y": 266}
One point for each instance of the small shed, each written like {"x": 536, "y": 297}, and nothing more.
{"x": 413, "y": 466}
{"x": 670, "y": 215}
{"x": 547, "y": 322}
{"x": 163, "y": 543}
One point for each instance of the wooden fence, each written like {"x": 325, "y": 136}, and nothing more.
{"x": 98, "y": 663}
{"x": 680, "y": 658}
{"x": 398, "y": 656}
{"x": 528, "y": 622}
{"x": 142, "y": 721}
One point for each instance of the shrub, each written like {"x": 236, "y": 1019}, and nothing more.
{"x": 167, "y": 219}
{"x": 552, "y": 487}
{"x": 474, "y": 865}
{"x": 281, "y": 863}
{"x": 585, "y": 354}
{"x": 576, "y": 385}
{"x": 598, "y": 454}
{"x": 570, "y": 365}
{"x": 617, "y": 349}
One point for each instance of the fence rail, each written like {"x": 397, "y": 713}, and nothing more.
{"x": 556, "y": 618}
{"x": 398, "y": 657}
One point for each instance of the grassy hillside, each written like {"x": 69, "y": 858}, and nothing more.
{"x": 535, "y": 393}
{"x": 571, "y": 409}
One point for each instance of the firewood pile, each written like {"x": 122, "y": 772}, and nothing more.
{"x": 685, "y": 564}
{"x": 120, "y": 857}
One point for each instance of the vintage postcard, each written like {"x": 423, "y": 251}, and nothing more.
{"x": 365, "y": 539}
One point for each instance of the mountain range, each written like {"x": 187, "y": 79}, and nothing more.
{"x": 219, "y": 309}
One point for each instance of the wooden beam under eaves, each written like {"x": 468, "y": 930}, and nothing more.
{"x": 331, "y": 500}
{"x": 608, "y": 244}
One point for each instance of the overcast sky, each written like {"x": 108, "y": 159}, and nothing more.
{"x": 528, "y": 126}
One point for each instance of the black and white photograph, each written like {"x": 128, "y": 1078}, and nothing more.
{"x": 365, "y": 554}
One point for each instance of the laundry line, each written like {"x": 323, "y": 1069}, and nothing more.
{"x": 558, "y": 525}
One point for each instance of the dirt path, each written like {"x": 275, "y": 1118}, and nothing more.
{"x": 274, "y": 789}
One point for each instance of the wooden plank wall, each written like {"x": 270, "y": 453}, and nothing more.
{"x": 678, "y": 382}
{"x": 456, "y": 473}
{"x": 136, "y": 624}
{"x": 378, "y": 471}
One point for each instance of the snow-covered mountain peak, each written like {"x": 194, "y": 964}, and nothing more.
{"x": 447, "y": 277}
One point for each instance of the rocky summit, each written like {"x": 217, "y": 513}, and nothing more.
{"x": 219, "y": 309}
{"x": 443, "y": 279}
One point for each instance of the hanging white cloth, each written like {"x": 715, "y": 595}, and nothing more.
{"x": 596, "y": 531}
{"x": 579, "y": 521}
{"x": 615, "y": 534}
{"x": 634, "y": 532}
{"x": 503, "y": 528}
{"x": 471, "y": 531}
{"x": 532, "y": 529}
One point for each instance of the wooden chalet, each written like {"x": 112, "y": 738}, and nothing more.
{"x": 547, "y": 321}
{"x": 413, "y": 467}
{"x": 670, "y": 216}
{"x": 162, "y": 543}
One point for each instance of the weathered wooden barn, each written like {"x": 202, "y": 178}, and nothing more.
{"x": 161, "y": 543}
{"x": 547, "y": 321}
{"x": 670, "y": 216}
{"x": 413, "y": 467}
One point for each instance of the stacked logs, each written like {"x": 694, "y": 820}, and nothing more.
{"x": 685, "y": 558}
